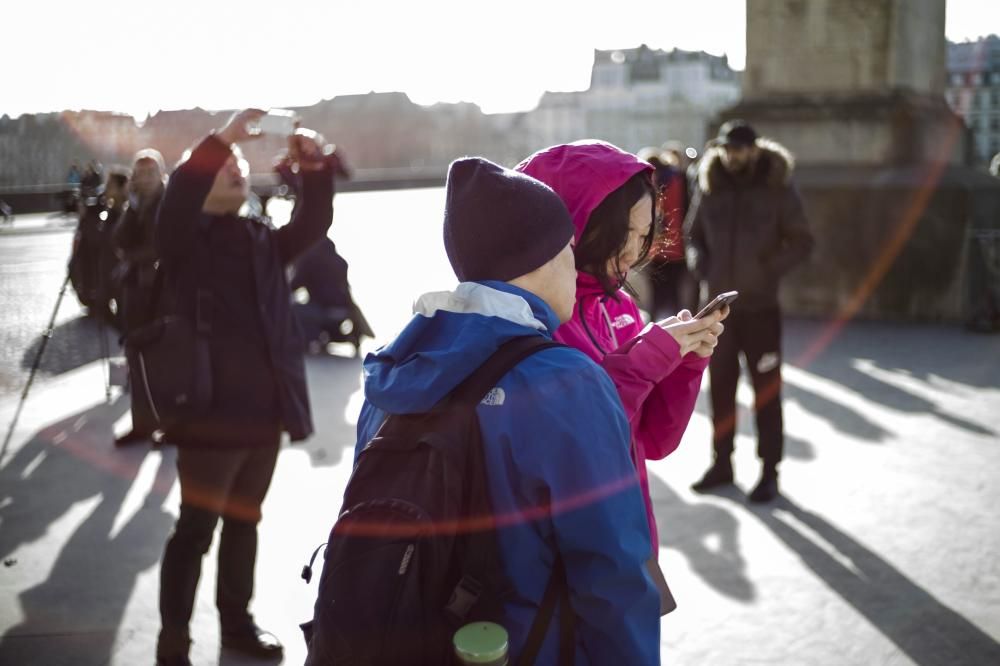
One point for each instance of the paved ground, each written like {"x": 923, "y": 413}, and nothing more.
{"x": 883, "y": 551}
{"x": 36, "y": 222}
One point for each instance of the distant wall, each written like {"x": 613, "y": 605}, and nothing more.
{"x": 891, "y": 243}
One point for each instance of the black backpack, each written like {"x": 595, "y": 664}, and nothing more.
{"x": 413, "y": 555}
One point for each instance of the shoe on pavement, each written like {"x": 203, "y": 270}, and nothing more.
{"x": 718, "y": 475}
{"x": 132, "y": 437}
{"x": 253, "y": 642}
{"x": 766, "y": 490}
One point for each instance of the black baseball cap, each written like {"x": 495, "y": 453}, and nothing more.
{"x": 736, "y": 133}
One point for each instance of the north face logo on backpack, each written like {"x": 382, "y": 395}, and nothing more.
{"x": 494, "y": 398}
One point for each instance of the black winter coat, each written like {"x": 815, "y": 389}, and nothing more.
{"x": 745, "y": 233}
{"x": 234, "y": 268}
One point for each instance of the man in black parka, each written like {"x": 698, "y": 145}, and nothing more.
{"x": 227, "y": 272}
{"x": 746, "y": 229}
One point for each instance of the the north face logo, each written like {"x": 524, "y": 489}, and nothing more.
{"x": 495, "y": 397}
{"x": 621, "y": 321}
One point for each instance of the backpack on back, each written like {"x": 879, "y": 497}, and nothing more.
{"x": 413, "y": 555}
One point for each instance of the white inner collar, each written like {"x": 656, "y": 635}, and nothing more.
{"x": 474, "y": 298}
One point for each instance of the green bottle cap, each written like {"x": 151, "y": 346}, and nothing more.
{"x": 481, "y": 643}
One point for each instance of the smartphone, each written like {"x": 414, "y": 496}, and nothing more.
{"x": 717, "y": 303}
{"x": 277, "y": 122}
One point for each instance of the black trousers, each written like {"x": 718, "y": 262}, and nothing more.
{"x": 757, "y": 336}
{"x": 215, "y": 483}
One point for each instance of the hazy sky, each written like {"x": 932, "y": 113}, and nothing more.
{"x": 138, "y": 56}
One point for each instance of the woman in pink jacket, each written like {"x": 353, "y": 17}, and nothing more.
{"x": 657, "y": 368}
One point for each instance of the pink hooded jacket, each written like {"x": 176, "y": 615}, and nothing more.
{"x": 658, "y": 388}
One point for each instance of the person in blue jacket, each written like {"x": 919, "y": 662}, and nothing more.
{"x": 555, "y": 436}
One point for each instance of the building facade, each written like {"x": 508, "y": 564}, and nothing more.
{"x": 640, "y": 97}
{"x": 637, "y": 97}
{"x": 973, "y": 91}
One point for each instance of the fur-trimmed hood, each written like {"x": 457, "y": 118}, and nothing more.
{"x": 774, "y": 168}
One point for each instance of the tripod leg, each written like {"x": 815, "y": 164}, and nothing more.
{"x": 34, "y": 368}
{"x": 106, "y": 364}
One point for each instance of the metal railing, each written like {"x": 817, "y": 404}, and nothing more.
{"x": 360, "y": 179}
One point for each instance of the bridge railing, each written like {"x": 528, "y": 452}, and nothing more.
{"x": 39, "y": 198}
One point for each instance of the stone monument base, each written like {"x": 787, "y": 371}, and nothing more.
{"x": 890, "y": 128}
{"x": 899, "y": 243}
{"x": 894, "y": 210}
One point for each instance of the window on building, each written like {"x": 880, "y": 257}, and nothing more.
{"x": 956, "y": 79}
{"x": 606, "y": 78}
{"x": 976, "y": 79}
{"x": 995, "y": 123}
{"x": 644, "y": 70}
{"x": 995, "y": 78}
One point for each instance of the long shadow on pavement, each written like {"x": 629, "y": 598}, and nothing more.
{"x": 689, "y": 529}
{"x": 922, "y": 350}
{"x": 73, "y": 344}
{"x": 74, "y": 615}
{"x": 836, "y": 365}
{"x": 891, "y": 396}
{"x": 918, "y": 352}
{"x": 840, "y": 417}
{"x": 922, "y": 627}
{"x": 798, "y": 448}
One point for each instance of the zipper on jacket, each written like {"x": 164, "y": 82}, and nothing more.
{"x": 607, "y": 320}
{"x": 586, "y": 329}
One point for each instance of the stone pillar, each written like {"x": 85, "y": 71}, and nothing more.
{"x": 854, "y": 88}
{"x": 852, "y": 81}
{"x": 844, "y": 46}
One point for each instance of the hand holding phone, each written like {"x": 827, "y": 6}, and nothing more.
{"x": 240, "y": 127}
{"x": 717, "y": 303}
{"x": 277, "y": 122}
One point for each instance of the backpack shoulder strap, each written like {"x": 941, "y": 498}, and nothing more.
{"x": 480, "y": 556}
{"x": 471, "y": 391}
{"x": 509, "y": 354}
{"x": 556, "y": 593}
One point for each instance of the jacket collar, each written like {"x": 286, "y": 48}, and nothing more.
{"x": 491, "y": 298}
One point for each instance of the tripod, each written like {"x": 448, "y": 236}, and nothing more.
{"x": 38, "y": 360}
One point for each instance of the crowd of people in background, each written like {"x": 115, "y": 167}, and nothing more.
{"x": 217, "y": 307}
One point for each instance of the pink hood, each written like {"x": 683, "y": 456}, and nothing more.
{"x": 583, "y": 173}
{"x": 657, "y": 387}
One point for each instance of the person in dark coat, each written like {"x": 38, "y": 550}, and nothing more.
{"x": 328, "y": 313}
{"x": 92, "y": 260}
{"x": 745, "y": 230}
{"x": 227, "y": 273}
{"x": 672, "y": 286}
{"x": 133, "y": 238}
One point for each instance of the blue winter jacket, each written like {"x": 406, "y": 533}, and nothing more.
{"x": 556, "y": 446}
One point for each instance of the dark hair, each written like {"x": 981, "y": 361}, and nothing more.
{"x": 607, "y": 231}
{"x": 119, "y": 177}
